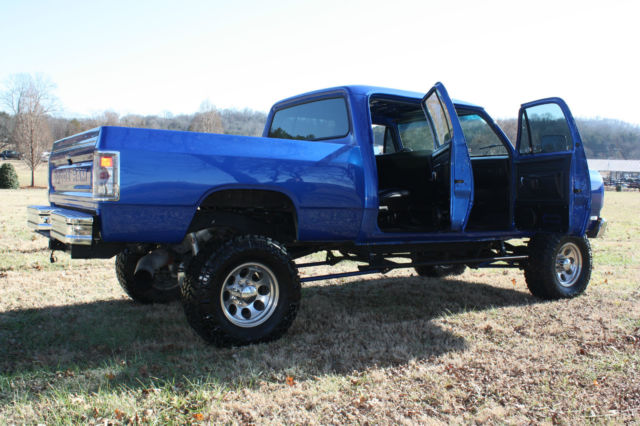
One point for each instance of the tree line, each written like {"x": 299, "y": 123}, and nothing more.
{"x": 30, "y": 127}
{"x": 227, "y": 121}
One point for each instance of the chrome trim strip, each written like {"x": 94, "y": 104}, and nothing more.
{"x": 75, "y": 159}
{"x": 75, "y": 199}
{"x": 89, "y": 143}
{"x": 78, "y": 139}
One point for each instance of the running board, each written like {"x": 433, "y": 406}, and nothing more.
{"x": 387, "y": 265}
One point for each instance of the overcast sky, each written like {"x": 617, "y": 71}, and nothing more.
{"x": 153, "y": 57}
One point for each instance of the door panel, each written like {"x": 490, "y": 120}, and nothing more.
{"x": 492, "y": 194}
{"x": 441, "y": 115}
{"x": 552, "y": 178}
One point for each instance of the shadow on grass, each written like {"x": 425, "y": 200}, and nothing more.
{"x": 339, "y": 329}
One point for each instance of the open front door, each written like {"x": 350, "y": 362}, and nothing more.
{"x": 451, "y": 156}
{"x": 553, "y": 188}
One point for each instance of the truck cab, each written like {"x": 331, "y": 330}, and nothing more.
{"x": 441, "y": 169}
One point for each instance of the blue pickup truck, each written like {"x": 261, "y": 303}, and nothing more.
{"x": 384, "y": 178}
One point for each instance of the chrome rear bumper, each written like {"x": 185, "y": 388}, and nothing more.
{"x": 39, "y": 217}
{"x": 67, "y": 226}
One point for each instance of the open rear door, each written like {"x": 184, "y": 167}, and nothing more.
{"x": 451, "y": 149}
{"x": 553, "y": 188}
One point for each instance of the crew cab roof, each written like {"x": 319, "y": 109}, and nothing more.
{"x": 361, "y": 90}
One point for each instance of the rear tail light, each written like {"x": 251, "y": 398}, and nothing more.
{"x": 106, "y": 176}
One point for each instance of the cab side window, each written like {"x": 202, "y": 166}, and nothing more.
{"x": 311, "y": 121}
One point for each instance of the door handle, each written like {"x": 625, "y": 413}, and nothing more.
{"x": 458, "y": 181}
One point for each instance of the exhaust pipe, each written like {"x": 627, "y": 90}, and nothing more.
{"x": 149, "y": 264}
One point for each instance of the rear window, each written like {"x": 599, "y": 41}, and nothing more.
{"x": 323, "y": 119}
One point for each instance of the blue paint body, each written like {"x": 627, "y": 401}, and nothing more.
{"x": 165, "y": 175}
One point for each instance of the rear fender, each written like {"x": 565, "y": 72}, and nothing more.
{"x": 248, "y": 211}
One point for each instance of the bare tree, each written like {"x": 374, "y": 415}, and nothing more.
{"x": 132, "y": 120}
{"x": 5, "y": 121}
{"x": 207, "y": 120}
{"x": 109, "y": 118}
{"x": 30, "y": 99}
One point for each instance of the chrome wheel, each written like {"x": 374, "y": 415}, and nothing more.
{"x": 568, "y": 264}
{"x": 249, "y": 295}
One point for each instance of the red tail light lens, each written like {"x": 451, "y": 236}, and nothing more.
{"x": 106, "y": 176}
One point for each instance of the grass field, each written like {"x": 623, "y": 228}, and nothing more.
{"x": 382, "y": 349}
{"x": 24, "y": 173}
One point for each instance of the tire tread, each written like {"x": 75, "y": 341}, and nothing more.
{"x": 200, "y": 275}
{"x": 539, "y": 272}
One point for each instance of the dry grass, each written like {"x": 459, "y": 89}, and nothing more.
{"x": 384, "y": 349}
{"x": 24, "y": 173}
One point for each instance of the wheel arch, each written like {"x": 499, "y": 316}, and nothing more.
{"x": 248, "y": 210}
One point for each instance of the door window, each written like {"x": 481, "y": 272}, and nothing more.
{"x": 481, "y": 140}
{"x": 544, "y": 129}
{"x": 439, "y": 117}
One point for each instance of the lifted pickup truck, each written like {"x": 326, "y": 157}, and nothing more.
{"x": 386, "y": 178}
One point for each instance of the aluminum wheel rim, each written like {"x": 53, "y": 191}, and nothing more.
{"x": 249, "y": 294}
{"x": 568, "y": 264}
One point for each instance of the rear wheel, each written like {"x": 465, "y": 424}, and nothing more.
{"x": 163, "y": 287}
{"x": 244, "y": 291}
{"x": 559, "y": 266}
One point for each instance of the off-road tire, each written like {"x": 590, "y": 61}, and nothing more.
{"x": 439, "y": 271}
{"x": 205, "y": 291}
{"x": 163, "y": 289}
{"x": 545, "y": 274}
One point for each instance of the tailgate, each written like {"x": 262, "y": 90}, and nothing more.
{"x": 71, "y": 170}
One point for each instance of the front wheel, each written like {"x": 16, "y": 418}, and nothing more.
{"x": 559, "y": 266}
{"x": 244, "y": 291}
